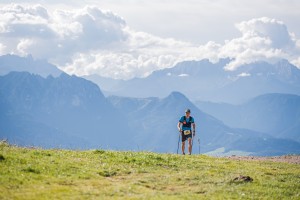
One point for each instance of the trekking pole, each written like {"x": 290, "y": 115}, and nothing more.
{"x": 178, "y": 142}
{"x": 199, "y": 144}
{"x": 192, "y": 144}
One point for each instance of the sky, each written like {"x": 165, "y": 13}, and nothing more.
{"x": 132, "y": 38}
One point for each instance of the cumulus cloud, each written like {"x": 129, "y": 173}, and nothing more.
{"x": 65, "y": 33}
{"x": 18, "y": 21}
{"x": 262, "y": 39}
{"x": 94, "y": 41}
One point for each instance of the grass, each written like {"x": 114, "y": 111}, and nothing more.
{"x": 98, "y": 174}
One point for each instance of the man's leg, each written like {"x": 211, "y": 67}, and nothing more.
{"x": 183, "y": 143}
{"x": 190, "y": 145}
{"x": 183, "y": 147}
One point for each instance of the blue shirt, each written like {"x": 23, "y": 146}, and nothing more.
{"x": 189, "y": 119}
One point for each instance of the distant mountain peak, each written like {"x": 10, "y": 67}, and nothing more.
{"x": 176, "y": 95}
{"x": 11, "y": 62}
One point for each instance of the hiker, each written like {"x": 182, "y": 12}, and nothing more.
{"x": 187, "y": 128}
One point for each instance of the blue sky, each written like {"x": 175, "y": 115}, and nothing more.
{"x": 125, "y": 39}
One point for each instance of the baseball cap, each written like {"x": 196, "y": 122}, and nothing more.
{"x": 187, "y": 110}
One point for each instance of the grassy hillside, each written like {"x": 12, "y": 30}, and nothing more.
{"x": 97, "y": 174}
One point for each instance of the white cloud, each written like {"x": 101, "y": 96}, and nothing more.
{"x": 244, "y": 74}
{"x": 262, "y": 39}
{"x": 23, "y": 46}
{"x": 183, "y": 75}
{"x": 94, "y": 41}
{"x": 2, "y": 49}
{"x": 19, "y": 21}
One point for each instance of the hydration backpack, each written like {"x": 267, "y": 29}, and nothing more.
{"x": 186, "y": 123}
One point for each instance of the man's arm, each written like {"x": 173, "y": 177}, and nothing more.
{"x": 179, "y": 126}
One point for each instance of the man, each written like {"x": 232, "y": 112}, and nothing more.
{"x": 184, "y": 126}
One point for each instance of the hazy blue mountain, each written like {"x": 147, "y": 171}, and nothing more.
{"x": 65, "y": 111}
{"x": 275, "y": 114}
{"x": 186, "y": 77}
{"x": 107, "y": 85}
{"x": 154, "y": 120}
{"x": 71, "y": 112}
{"x": 202, "y": 80}
{"x": 9, "y": 63}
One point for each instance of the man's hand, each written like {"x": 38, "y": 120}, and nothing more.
{"x": 180, "y": 130}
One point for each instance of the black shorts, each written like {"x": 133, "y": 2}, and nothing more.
{"x": 185, "y": 137}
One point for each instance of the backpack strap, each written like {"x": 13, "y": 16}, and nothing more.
{"x": 190, "y": 119}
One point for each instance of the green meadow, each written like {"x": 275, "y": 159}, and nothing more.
{"x": 29, "y": 173}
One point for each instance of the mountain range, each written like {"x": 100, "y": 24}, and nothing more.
{"x": 71, "y": 112}
{"x": 275, "y": 114}
{"x": 156, "y": 120}
{"x": 205, "y": 81}
{"x": 65, "y": 111}
{"x": 10, "y": 62}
